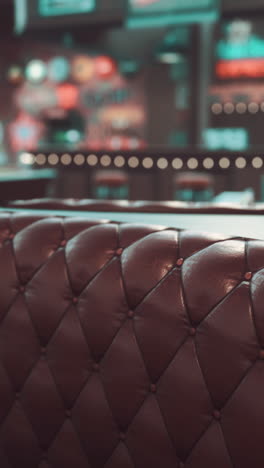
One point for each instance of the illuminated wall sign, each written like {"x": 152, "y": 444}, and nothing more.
{"x": 232, "y": 139}
{"x": 253, "y": 48}
{"x": 143, "y": 13}
{"x": 249, "y": 68}
{"x": 65, "y": 7}
{"x": 239, "y": 42}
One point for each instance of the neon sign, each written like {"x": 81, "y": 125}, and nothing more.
{"x": 248, "y": 68}
{"x": 253, "y": 48}
{"x": 149, "y": 13}
{"x": 232, "y": 139}
{"x": 65, "y": 7}
{"x": 161, "y": 5}
{"x": 240, "y": 42}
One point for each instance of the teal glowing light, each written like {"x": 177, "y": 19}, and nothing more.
{"x": 168, "y": 12}
{"x": 36, "y": 71}
{"x": 58, "y": 69}
{"x": 252, "y": 48}
{"x": 65, "y": 7}
{"x": 20, "y": 16}
{"x": 231, "y": 139}
{"x": 168, "y": 5}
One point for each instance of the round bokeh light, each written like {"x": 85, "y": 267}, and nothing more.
{"x": 67, "y": 95}
{"x": 15, "y": 74}
{"x": 36, "y": 71}
{"x": 82, "y": 68}
{"x": 58, "y": 69}
{"x": 105, "y": 66}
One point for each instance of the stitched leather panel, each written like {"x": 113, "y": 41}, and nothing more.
{"x": 128, "y": 346}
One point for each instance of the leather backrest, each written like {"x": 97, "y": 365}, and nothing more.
{"x": 128, "y": 346}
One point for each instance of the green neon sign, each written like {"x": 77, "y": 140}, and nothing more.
{"x": 65, "y": 7}
{"x": 252, "y": 48}
{"x": 169, "y": 12}
{"x": 232, "y": 139}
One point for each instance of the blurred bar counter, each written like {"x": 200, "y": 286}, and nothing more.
{"x": 25, "y": 183}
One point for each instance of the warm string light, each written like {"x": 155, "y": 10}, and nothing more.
{"x": 208, "y": 163}
{"x": 119, "y": 161}
{"x": 162, "y": 163}
{"x": 147, "y": 163}
{"x": 105, "y": 160}
{"x": 133, "y": 162}
{"x": 241, "y": 108}
{"x": 241, "y": 163}
{"x": 224, "y": 163}
{"x": 79, "y": 159}
{"x": 177, "y": 163}
{"x": 257, "y": 162}
{"x": 66, "y": 159}
{"x": 192, "y": 163}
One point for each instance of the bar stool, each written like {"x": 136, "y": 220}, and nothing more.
{"x": 193, "y": 186}
{"x": 111, "y": 185}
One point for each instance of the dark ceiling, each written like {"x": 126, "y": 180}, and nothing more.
{"x": 7, "y": 18}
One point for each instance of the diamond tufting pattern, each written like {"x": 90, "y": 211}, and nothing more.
{"x": 126, "y": 346}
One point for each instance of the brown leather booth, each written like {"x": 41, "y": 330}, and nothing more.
{"x": 129, "y": 346}
{"x": 136, "y": 206}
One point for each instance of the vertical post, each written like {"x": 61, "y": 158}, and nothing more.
{"x": 205, "y": 41}
{"x": 20, "y": 7}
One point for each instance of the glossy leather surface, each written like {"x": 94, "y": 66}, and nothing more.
{"x": 135, "y": 206}
{"x": 128, "y": 346}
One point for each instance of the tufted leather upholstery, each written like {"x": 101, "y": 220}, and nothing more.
{"x": 135, "y": 206}
{"x": 128, "y": 346}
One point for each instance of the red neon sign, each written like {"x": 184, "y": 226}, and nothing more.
{"x": 246, "y": 68}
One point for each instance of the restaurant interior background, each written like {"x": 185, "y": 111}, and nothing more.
{"x": 132, "y": 99}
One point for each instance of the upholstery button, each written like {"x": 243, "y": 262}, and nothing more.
{"x": 96, "y": 367}
{"x": 17, "y": 395}
{"x": 153, "y": 388}
{"x": 217, "y": 414}
{"x": 192, "y": 331}
{"x": 122, "y": 436}
{"x": 43, "y": 350}
{"x": 261, "y": 354}
{"x": 68, "y": 414}
{"x": 11, "y": 236}
{"x": 248, "y": 276}
{"x": 179, "y": 262}
{"x": 22, "y": 289}
{"x": 75, "y": 300}
{"x": 130, "y": 314}
{"x": 63, "y": 243}
{"x": 119, "y": 251}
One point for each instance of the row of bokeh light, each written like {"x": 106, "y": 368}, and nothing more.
{"x": 241, "y": 108}
{"x": 134, "y": 162}
{"x": 80, "y": 68}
